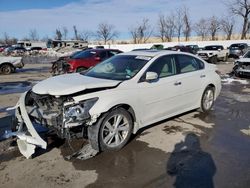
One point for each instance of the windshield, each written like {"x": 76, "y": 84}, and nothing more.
{"x": 84, "y": 54}
{"x": 121, "y": 67}
{"x": 213, "y": 48}
{"x": 236, "y": 46}
{"x": 247, "y": 55}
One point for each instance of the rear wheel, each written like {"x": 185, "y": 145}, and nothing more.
{"x": 207, "y": 99}
{"x": 115, "y": 130}
{"x": 5, "y": 69}
{"x": 225, "y": 58}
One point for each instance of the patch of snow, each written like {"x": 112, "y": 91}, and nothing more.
{"x": 231, "y": 80}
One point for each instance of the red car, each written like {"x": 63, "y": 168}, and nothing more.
{"x": 88, "y": 58}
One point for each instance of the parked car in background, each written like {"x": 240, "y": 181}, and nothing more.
{"x": 116, "y": 98}
{"x": 242, "y": 66}
{"x": 60, "y": 66}
{"x": 214, "y": 53}
{"x": 3, "y": 47}
{"x": 9, "y": 64}
{"x": 89, "y": 58}
{"x": 180, "y": 48}
{"x": 15, "y": 50}
{"x": 194, "y": 48}
{"x": 238, "y": 49}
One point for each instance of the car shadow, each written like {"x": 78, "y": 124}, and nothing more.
{"x": 192, "y": 167}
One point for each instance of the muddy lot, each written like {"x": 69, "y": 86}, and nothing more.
{"x": 216, "y": 154}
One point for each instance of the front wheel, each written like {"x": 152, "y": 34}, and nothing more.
{"x": 5, "y": 69}
{"x": 207, "y": 99}
{"x": 214, "y": 60}
{"x": 115, "y": 130}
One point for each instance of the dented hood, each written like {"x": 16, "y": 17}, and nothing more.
{"x": 71, "y": 83}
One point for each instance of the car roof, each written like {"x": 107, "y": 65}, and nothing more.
{"x": 103, "y": 49}
{"x": 151, "y": 53}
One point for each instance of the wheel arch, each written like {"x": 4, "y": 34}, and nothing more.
{"x": 126, "y": 107}
{"x": 7, "y": 63}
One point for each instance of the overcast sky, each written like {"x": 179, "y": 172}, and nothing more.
{"x": 17, "y": 17}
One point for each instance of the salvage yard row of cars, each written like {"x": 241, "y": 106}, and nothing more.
{"x": 84, "y": 59}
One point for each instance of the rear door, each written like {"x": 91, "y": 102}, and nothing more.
{"x": 192, "y": 80}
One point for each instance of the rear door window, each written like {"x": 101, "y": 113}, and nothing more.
{"x": 189, "y": 63}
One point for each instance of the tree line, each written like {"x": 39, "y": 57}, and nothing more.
{"x": 176, "y": 24}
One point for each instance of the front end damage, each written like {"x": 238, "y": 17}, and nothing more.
{"x": 59, "y": 114}
{"x": 241, "y": 69}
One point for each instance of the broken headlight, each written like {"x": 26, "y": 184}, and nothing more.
{"x": 78, "y": 112}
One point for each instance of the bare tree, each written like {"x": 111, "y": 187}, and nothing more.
{"x": 201, "y": 28}
{"x": 75, "y": 32}
{"x": 227, "y": 24}
{"x": 179, "y": 21}
{"x": 161, "y": 28}
{"x": 64, "y": 32}
{"x": 33, "y": 35}
{"x": 241, "y": 8}
{"x": 142, "y": 32}
{"x": 58, "y": 34}
{"x": 85, "y": 35}
{"x": 186, "y": 24}
{"x": 170, "y": 27}
{"x": 8, "y": 40}
{"x": 134, "y": 33}
{"x": 213, "y": 26}
{"x": 106, "y": 32}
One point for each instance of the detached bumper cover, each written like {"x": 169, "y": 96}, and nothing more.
{"x": 28, "y": 139}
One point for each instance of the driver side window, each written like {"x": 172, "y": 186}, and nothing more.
{"x": 164, "y": 66}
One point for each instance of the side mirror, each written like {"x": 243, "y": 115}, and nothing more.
{"x": 151, "y": 76}
{"x": 240, "y": 56}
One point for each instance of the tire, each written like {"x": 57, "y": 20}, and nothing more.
{"x": 214, "y": 59}
{"x": 80, "y": 69}
{"x": 225, "y": 58}
{"x": 5, "y": 69}
{"x": 114, "y": 136}
{"x": 207, "y": 99}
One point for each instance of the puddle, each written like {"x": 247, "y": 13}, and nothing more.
{"x": 14, "y": 87}
{"x": 136, "y": 165}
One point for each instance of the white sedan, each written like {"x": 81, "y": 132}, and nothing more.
{"x": 116, "y": 98}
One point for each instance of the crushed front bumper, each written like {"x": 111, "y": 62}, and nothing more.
{"x": 28, "y": 137}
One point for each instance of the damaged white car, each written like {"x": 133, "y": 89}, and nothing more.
{"x": 116, "y": 98}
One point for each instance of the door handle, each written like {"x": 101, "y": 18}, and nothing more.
{"x": 177, "y": 83}
{"x": 202, "y": 76}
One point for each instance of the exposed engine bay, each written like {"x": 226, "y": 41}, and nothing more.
{"x": 59, "y": 114}
{"x": 241, "y": 68}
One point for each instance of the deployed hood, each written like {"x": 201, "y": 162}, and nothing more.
{"x": 71, "y": 83}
